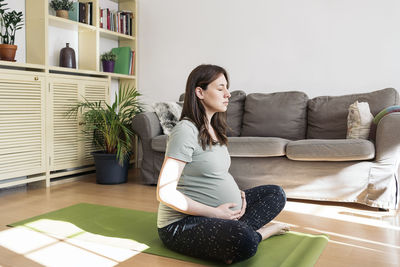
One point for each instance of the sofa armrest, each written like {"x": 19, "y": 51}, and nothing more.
{"x": 387, "y": 143}
{"x": 383, "y": 185}
{"x": 146, "y": 125}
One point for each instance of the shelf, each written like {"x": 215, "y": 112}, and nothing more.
{"x": 76, "y": 71}
{"x": 119, "y": 1}
{"x": 91, "y": 72}
{"x": 114, "y": 35}
{"x": 118, "y": 76}
{"x": 20, "y": 65}
{"x": 69, "y": 24}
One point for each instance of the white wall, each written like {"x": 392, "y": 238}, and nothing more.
{"x": 322, "y": 47}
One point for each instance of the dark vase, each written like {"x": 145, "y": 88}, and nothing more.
{"x": 108, "y": 170}
{"x": 67, "y": 57}
{"x": 108, "y": 65}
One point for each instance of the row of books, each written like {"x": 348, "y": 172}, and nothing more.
{"x": 125, "y": 63}
{"x": 82, "y": 12}
{"x": 118, "y": 21}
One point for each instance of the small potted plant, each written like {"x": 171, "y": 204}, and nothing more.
{"x": 62, "y": 7}
{"x": 108, "y": 59}
{"x": 10, "y": 22}
{"x": 109, "y": 127}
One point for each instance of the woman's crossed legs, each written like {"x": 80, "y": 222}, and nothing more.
{"x": 228, "y": 240}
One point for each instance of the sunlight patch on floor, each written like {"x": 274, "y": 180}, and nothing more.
{"x": 354, "y": 238}
{"x": 65, "y": 244}
{"x": 372, "y": 218}
{"x": 22, "y": 240}
{"x": 355, "y": 246}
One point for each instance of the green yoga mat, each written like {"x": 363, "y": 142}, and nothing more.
{"x": 136, "y": 230}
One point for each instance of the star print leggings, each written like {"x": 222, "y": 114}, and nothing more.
{"x": 226, "y": 240}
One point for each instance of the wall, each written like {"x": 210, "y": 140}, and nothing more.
{"x": 321, "y": 47}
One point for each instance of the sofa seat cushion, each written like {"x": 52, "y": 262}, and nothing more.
{"x": 240, "y": 146}
{"x": 282, "y": 114}
{"x": 256, "y": 146}
{"x": 159, "y": 143}
{"x": 330, "y": 150}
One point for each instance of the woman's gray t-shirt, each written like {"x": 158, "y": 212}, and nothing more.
{"x": 205, "y": 177}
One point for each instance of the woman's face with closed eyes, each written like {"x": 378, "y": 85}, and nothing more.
{"x": 216, "y": 96}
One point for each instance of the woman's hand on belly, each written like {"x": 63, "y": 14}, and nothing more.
{"x": 244, "y": 204}
{"x": 224, "y": 212}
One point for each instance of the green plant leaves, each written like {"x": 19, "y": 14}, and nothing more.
{"x": 109, "y": 126}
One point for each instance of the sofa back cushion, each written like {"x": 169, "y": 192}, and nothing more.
{"x": 281, "y": 114}
{"x": 234, "y": 113}
{"x": 327, "y": 115}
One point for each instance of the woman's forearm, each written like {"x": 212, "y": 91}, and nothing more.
{"x": 178, "y": 201}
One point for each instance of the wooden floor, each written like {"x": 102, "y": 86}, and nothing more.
{"x": 359, "y": 236}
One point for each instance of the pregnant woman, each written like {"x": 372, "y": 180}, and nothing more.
{"x": 202, "y": 212}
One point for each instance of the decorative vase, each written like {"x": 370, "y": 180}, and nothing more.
{"x": 108, "y": 65}
{"x": 62, "y": 14}
{"x": 108, "y": 170}
{"x": 67, "y": 57}
{"x": 7, "y": 52}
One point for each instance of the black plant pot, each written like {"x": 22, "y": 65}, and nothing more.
{"x": 108, "y": 170}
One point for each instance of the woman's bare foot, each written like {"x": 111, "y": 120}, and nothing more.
{"x": 271, "y": 229}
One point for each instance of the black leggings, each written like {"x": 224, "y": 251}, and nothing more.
{"x": 226, "y": 240}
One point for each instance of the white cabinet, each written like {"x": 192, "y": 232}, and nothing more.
{"x": 38, "y": 141}
{"x": 22, "y": 124}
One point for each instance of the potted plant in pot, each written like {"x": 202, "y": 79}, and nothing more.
{"x": 10, "y": 22}
{"x": 108, "y": 59}
{"x": 109, "y": 128}
{"x": 62, "y": 7}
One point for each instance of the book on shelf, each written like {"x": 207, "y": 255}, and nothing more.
{"x": 82, "y": 12}
{"x": 119, "y": 21}
{"x": 85, "y": 12}
{"x": 90, "y": 20}
{"x": 74, "y": 13}
{"x": 133, "y": 63}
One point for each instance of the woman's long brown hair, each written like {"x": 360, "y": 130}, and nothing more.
{"x": 194, "y": 110}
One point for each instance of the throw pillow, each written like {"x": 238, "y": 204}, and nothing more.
{"x": 168, "y": 113}
{"x": 359, "y": 121}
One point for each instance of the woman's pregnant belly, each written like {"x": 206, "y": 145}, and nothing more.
{"x": 212, "y": 191}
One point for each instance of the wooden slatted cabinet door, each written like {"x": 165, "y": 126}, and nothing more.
{"x": 63, "y": 130}
{"x": 93, "y": 91}
{"x": 22, "y": 124}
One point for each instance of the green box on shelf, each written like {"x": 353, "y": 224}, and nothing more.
{"x": 73, "y": 14}
{"x": 123, "y": 59}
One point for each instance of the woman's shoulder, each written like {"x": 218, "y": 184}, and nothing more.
{"x": 186, "y": 126}
{"x": 184, "y": 132}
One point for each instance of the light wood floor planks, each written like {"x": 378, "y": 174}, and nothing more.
{"x": 359, "y": 236}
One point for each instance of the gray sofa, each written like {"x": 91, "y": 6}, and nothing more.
{"x": 287, "y": 139}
